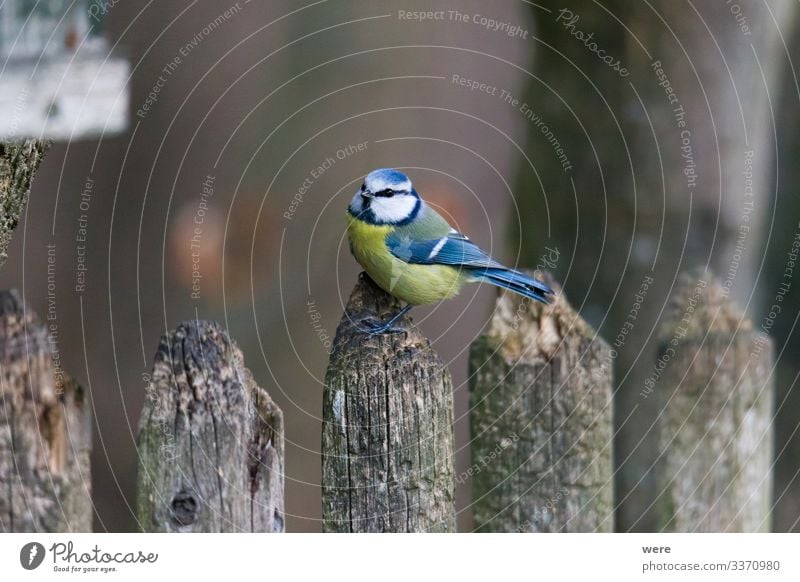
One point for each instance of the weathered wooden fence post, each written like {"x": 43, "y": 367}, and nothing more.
{"x": 387, "y": 433}
{"x": 714, "y": 378}
{"x": 541, "y": 421}
{"x": 210, "y": 440}
{"x": 45, "y": 431}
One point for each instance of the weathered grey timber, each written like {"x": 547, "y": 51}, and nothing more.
{"x": 715, "y": 380}
{"x": 387, "y": 435}
{"x": 210, "y": 440}
{"x": 541, "y": 421}
{"x": 45, "y": 431}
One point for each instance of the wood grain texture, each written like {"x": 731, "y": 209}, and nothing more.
{"x": 541, "y": 421}
{"x": 18, "y": 163}
{"x": 387, "y": 436}
{"x": 714, "y": 379}
{"x": 45, "y": 431}
{"x": 211, "y": 445}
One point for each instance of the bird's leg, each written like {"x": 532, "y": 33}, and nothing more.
{"x": 377, "y": 327}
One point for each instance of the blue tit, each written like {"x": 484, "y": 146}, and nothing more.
{"x": 412, "y": 253}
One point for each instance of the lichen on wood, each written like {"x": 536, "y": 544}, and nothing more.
{"x": 211, "y": 441}
{"x": 387, "y": 436}
{"x": 713, "y": 378}
{"x": 45, "y": 431}
{"x": 18, "y": 164}
{"x": 541, "y": 420}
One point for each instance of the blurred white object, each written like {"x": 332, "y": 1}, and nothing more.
{"x": 57, "y": 78}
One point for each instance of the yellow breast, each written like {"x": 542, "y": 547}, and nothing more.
{"x": 414, "y": 284}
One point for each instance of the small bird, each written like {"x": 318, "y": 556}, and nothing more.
{"x": 412, "y": 253}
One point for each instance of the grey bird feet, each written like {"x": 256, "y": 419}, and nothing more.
{"x": 372, "y": 326}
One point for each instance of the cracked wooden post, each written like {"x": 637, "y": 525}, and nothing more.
{"x": 714, "y": 378}
{"x": 18, "y": 163}
{"x": 210, "y": 440}
{"x": 387, "y": 427}
{"x": 541, "y": 421}
{"x": 45, "y": 431}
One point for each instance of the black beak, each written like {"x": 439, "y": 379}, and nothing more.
{"x": 367, "y": 195}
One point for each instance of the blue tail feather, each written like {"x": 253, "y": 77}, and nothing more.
{"x": 517, "y": 282}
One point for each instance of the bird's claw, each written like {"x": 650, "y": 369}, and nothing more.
{"x": 376, "y": 327}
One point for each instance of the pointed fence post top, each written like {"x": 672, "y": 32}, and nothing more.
{"x": 197, "y": 366}
{"x": 208, "y": 433}
{"x": 528, "y": 331}
{"x": 700, "y": 304}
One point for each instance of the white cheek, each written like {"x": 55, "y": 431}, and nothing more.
{"x": 357, "y": 203}
{"x": 395, "y": 209}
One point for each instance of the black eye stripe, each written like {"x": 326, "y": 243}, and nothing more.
{"x": 363, "y": 186}
{"x": 388, "y": 192}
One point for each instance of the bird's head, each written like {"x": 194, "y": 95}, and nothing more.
{"x": 386, "y": 197}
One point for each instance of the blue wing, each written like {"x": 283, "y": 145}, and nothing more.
{"x": 454, "y": 249}
{"x": 458, "y": 251}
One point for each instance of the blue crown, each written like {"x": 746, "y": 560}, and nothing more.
{"x": 387, "y": 175}
{"x": 387, "y": 178}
